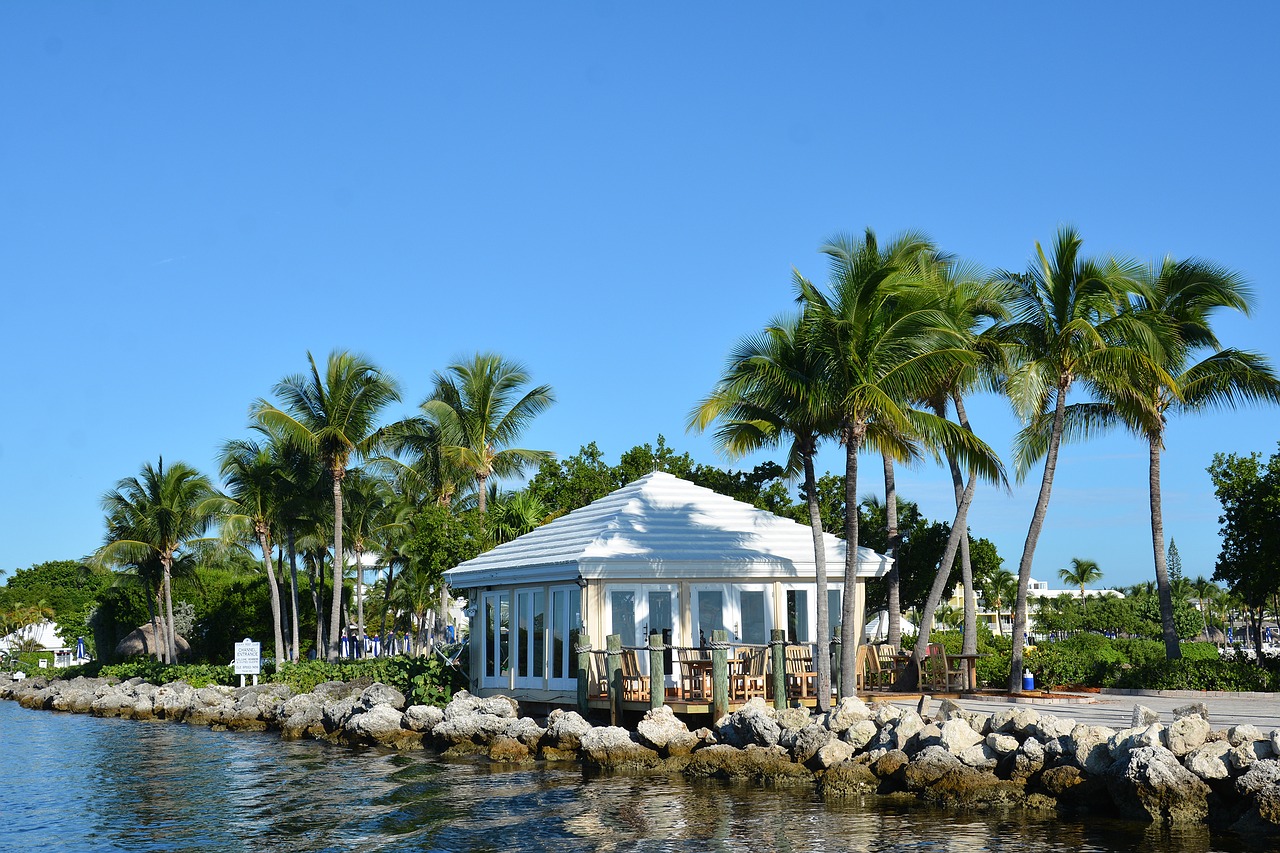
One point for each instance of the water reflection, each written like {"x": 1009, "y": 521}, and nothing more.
{"x": 84, "y": 783}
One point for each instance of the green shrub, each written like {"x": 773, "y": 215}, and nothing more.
{"x": 1200, "y": 651}
{"x": 423, "y": 681}
{"x": 1189, "y": 674}
{"x": 1083, "y": 660}
{"x": 155, "y": 672}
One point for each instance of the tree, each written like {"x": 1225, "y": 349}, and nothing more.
{"x": 1249, "y": 563}
{"x": 254, "y": 492}
{"x": 152, "y": 519}
{"x": 772, "y": 392}
{"x": 999, "y": 589}
{"x": 1082, "y": 573}
{"x": 514, "y": 514}
{"x": 882, "y": 340}
{"x": 1174, "y": 561}
{"x": 1066, "y": 310}
{"x": 332, "y": 417}
{"x": 479, "y": 416}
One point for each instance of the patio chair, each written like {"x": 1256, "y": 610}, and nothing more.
{"x": 598, "y": 683}
{"x": 695, "y": 671}
{"x": 748, "y": 679}
{"x": 802, "y": 678}
{"x": 940, "y": 673}
{"x": 635, "y": 684}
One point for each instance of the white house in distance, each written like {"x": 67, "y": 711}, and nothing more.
{"x": 1035, "y": 589}
{"x": 658, "y": 555}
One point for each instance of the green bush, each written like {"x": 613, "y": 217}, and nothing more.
{"x": 423, "y": 681}
{"x": 155, "y": 672}
{"x": 1083, "y": 660}
{"x": 1199, "y": 674}
{"x": 1200, "y": 651}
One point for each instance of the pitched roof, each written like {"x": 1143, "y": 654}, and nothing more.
{"x": 663, "y": 526}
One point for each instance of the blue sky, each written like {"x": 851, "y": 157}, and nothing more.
{"x": 194, "y": 196}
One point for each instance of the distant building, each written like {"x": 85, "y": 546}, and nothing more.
{"x": 1036, "y": 589}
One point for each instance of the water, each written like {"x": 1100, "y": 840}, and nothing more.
{"x": 75, "y": 782}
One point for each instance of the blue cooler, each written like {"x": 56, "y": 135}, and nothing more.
{"x": 1028, "y": 681}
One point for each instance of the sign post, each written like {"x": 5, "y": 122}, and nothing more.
{"x": 248, "y": 660}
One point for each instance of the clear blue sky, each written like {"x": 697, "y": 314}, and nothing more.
{"x": 194, "y": 195}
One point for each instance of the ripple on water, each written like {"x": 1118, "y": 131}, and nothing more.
{"x": 81, "y": 783}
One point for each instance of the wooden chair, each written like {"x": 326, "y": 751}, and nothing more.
{"x": 598, "y": 684}
{"x": 802, "y": 679}
{"x": 748, "y": 680}
{"x": 635, "y": 684}
{"x": 694, "y": 680}
{"x": 940, "y": 673}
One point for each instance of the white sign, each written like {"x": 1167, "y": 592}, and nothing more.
{"x": 248, "y": 658}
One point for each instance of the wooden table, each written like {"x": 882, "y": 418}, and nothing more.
{"x": 970, "y": 669}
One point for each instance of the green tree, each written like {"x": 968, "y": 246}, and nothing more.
{"x": 480, "y": 413}
{"x": 771, "y": 393}
{"x": 564, "y": 486}
{"x": 1249, "y": 563}
{"x": 1174, "y": 561}
{"x": 1082, "y": 573}
{"x": 155, "y": 517}
{"x": 1000, "y": 589}
{"x": 881, "y": 340}
{"x": 1066, "y": 311}
{"x": 332, "y": 417}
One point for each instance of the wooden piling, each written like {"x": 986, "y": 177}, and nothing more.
{"x": 657, "y": 678}
{"x": 613, "y": 650}
{"x": 720, "y": 673}
{"x": 778, "y": 662}
{"x": 584, "y": 671}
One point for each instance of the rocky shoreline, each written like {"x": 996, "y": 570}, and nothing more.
{"x": 1183, "y": 772}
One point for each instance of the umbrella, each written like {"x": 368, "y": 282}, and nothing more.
{"x": 80, "y": 648}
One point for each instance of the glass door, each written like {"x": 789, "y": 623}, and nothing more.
{"x": 564, "y": 616}
{"x": 530, "y": 647}
{"x": 496, "y": 630}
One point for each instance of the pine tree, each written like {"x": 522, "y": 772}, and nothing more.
{"x": 1175, "y": 564}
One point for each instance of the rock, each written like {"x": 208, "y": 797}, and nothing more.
{"x": 890, "y": 763}
{"x": 949, "y": 709}
{"x": 813, "y": 737}
{"x": 1210, "y": 761}
{"x": 1246, "y": 733}
{"x": 462, "y": 704}
{"x": 850, "y": 710}
{"x": 928, "y": 766}
{"x": 1016, "y": 721}
{"x": 1195, "y": 709}
{"x": 792, "y": 719}
{"x": 1260, "y": 786}
{"x": 847, "y": 779}
{"x": 475, "y": 729}
{"x": 897, "y": 734}
{"x": 172, "y": 700}
{"x": 525, "y": 730}
{"x": 379, "y": 724}
{"x": 1127, "y": 739}
{"x": 859, "y": 734}
{"x": 1248, "y": 753}
{"x": 503, "y": 707}
{"x": 382, "y": 694}
{"x": 1187, "y": 733}
{"x": 834, "y": 751}
{"x": 883, "y": 713}
{"x": 764, "y": 765}
{"x": 613, "y": 747}
{"x": 1071, "y": 786}
{"x": 423, "y": 718}
{"x": 1029, "y": 759}
{"x": 1260, "y": 775}
{"x": 752, "y": 724}
{"x": 339, "y": 711}
{"x": 565, "y": 730}
{"x": 664, "y": 731}
{"x": 1088, "y": 748}
{"x": 956, "y": 736}
{"x": 979, "y": 756}
{"x": 1148, "y": 783}
{"x": 302, "y": 716}
{"x": 1050, "y": 728}
{"x": 509, "y": 750}
{"x": 1144, "y": 716}
{"x": 1002, "y": 744}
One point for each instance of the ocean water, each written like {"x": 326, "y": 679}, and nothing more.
{"x": 78, "y": 783}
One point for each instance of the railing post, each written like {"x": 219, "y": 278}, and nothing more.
{"x": 613, "y": 648}
{"x": 778, "y": 661}
{"x": 719, "y": 673}
{"x": 836, "y": 647}
{"x": 584, "y": 671}
{"x": 657, "y": 678}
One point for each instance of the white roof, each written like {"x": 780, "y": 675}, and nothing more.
{"x": 44, "y": 633}
{"x": 664, "y": 527}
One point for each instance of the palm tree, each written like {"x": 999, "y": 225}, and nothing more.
{"x": 1177, "y": 300}
{"x": 254, "y": 494}
{"x": 475, "y": 409}
{"x": 515, "y": 514}
{"x": 1066, "y": 310}
{"x": 772, "y": 389}
{"x": 372, "y": 512}
{"x": 1082, "y": 573}
{"x": 153, "y": 519}
{"x": 332, "y": 417}
{"x": 882, "y": 340}
{"x": 1000, "y": 588}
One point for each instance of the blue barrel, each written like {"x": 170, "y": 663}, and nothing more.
{"x": 1028, "y": 681}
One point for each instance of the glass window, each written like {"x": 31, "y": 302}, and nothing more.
{"x": 624, "y": 615}
{"x": 834, "y": 599}
{"x": 798, "y": 616}
{"x": 754, "y": 627}
{"x": 539, "y": 634}
{"x": 710, "y": 613}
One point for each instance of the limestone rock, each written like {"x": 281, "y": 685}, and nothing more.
{"x": 382, "y": 694}
{"x": 849, "y": 711}
{"x": 812, "y": 738}
{"x": 613, "y": 747}
{"x": 1128, "y": 739}
{"x": 1210, "y": 761}
{"x": 1195, "y": 709}
{"x": 1148, "y": 783}
{"x": 565, "y": 730}
{"x": 859, "y": 734}
{"x": 423, "y": 718}
{"x": 525, "y": 730}
{"x": 847, "y": 779}
{"x": 979, "y": 756}
{"x": 1246, "y": 733}
{"x": 957, "y": 736}
{"x": 663, "y": 730}
{"x": 752, "y": 724}
{"x": 1187, "y": 733}
{"x": 1242, "y": 757}
{"x": 379, "y": 724}
{"x": 1029, "y": 759}
{"x": 1144, "y": 717}
{"x": 834, "y": 751}
{"x": 1002, "y": 744}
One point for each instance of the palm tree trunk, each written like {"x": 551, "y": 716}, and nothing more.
{"x": 154, "y": 609}
{"x": 386, "y": 598}
{"x": 848, "y": 615}
{"x": 293, "y": 595}
{"x": 171, "y": 646}
{"x": 969, "y": 645}
{"x": 335, "y": 617}
{"x": 893, "y": 544}
{"x": 1033, "y": 536}
{"x": 1172, "y": 648}
{"x": 823, "y": 636}
{"x": 480, "y": 481}
{"x": 264, "y": 541}
{"x": 909, "y": 680}
{"x": 316, "y": 576}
